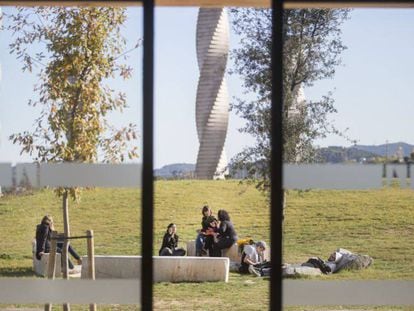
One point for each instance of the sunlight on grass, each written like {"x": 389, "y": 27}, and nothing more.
{"x": 379, "y": 223}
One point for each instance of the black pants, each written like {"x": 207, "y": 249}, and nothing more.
{"x": 221, "y": 244}
{"x": 244, "y": 268}
{"x": 166, "y": 251}
{"x": 208, "y": 244}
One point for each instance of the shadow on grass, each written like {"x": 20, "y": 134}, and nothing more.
{"x": 17, "y": 272}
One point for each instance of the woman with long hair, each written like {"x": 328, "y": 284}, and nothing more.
{"x": 43, "y": 235}
{"x": 226, "y": 235}
{"x": 170, "y": 243}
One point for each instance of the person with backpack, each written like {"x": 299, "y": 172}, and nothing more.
{"x": 169, "y": 245}
{"x": 252, "y": 258}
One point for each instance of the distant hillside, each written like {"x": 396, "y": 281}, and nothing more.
{"x": 175, "y": 170}
{"x": 360, "y": 153}
{"x": 337, "y": 154}
{"x": 381, "y": 150}
{"x": 331, "y": 154}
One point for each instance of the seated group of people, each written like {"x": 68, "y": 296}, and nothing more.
{"x": 215, "y": 235}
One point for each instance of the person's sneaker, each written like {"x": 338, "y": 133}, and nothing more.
{"x": 254, "y": 271}
{"x": 73, "y": 271}
{"x": 79, "y": 261}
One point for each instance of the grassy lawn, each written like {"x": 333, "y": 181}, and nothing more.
{"x": 379, "y": 223}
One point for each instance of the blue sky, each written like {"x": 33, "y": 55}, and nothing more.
{"x": 372, "y": 88}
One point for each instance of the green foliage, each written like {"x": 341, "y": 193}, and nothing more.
{"x": 379, "y": 223}
{"x": 312, "y": 48}
{"x": 77, "y": 49}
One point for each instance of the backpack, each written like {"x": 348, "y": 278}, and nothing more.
{"x": 317, "y": 262}
{"x": 242, "y": 242}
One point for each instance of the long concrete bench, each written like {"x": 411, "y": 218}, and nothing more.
{"x": 40, "y": 266}
{"x": 232, "y": 253}
{"x": 166, "y": 268}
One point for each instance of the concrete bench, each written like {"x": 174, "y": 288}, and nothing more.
{"x": 232, "y": 253}
{"x": 40, "y": 266}
{"x": 166, "y": 268}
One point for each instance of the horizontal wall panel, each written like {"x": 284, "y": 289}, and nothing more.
{"x": 296, "y": 176}
{"x": 397, "y": 173}
{"x": 27, "y": 174}
{"x": 116, "y": 291}
{"x": 6, "y": 177}
{"x": 89, "y": 175}
{"x": 25, "y": 291}
{"x": 412, "y": 177}
{"x": 383, "y": 293}
{"x": 332, "y": 176}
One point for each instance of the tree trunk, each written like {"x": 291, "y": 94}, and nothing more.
{"x": 66, "y": 307}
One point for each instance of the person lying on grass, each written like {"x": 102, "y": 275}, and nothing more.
{"x": 338, "y": 260}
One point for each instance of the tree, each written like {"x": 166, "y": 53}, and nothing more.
{"x": 312, "y": 47}
{"x": 77, "y": 51}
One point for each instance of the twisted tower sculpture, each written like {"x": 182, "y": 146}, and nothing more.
{"x": 212, "y": 103}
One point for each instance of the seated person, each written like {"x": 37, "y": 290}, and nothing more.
{"x": 208, "y": 225}
{"x": 170, "y": 243}
{"x": 226, "y": 235}
{"x": 43, "y": 235}
{"x": 252, "y": 257}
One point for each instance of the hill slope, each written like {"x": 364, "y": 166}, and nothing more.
{"x": 379, "y": 223}
{"x": 385, "y": 149}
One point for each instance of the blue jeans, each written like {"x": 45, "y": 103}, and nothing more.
{"x": 200, "y": 243}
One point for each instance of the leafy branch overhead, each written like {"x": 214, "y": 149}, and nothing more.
{"x": 312, "y": 46}
{"x": 79, "y": 50}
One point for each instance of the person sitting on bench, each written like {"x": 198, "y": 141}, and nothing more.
{"x": 205, "y": 239}
{"x": 170, "y": 243}
{"x": 226, "y": 235}
{"x": 43, "y": 235}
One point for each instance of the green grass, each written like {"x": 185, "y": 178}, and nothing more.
{"x": 379, "y": 223}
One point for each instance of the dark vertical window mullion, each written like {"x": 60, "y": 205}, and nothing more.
{"x": 276, "y": 196}
{"x": 148, "y": 147}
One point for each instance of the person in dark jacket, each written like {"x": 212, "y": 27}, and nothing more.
{"x": 205, "y": 239}
{"x": 43, "y": 235}
{"x": 170, "y": 243}
{"x": 226, "y": 235}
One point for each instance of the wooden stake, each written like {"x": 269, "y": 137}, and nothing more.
{"x": 91, "y": 262}
{"x": 66, "y": 306}
{"x": 52, "y": 263}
